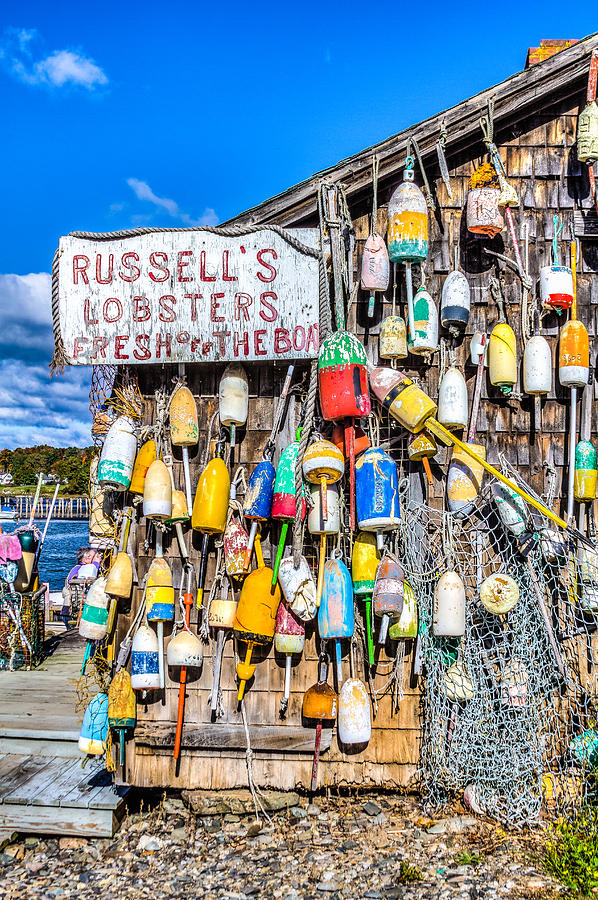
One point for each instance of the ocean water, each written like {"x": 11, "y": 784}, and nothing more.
{"x": 59, "y": 553}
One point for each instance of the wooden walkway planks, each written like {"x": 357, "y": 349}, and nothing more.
{"x": 54, "y": 796}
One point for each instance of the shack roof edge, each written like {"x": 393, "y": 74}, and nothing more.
{"x": 545, "y": 83}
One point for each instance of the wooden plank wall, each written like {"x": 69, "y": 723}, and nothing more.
{"x": 541, "y": 165}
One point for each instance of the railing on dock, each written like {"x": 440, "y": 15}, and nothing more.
{"x": 65, "y": 508}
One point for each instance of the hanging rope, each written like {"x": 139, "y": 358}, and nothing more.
{"x": 375, "y": 170}
{"x": 412, "y": 143}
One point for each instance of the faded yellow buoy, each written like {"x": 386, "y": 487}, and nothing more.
{"x": 184, "y": 429}
{"x": 464, "y": 479}
{"x": 502, "y": 357}
{"x": 120, "y": 577}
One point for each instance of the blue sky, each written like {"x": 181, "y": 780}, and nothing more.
{"x": 188, "y": 113}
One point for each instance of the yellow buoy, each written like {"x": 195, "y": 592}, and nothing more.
{"x": 255, "y": 616}
{"x": 120, "y": 577}
{"x": 143, "y": 460}
{"x": 184, "y": 429}
{"x": 502, "y": 357}
{"x": 210, "y": 507}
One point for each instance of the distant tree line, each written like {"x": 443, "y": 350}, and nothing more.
{"x": 69, "y": 464}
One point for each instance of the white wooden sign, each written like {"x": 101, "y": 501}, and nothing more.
{"x": 188, "y": 296}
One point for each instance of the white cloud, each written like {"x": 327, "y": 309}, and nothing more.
{"x": 143, "y": 192}
{"x": 34, "y": 408}
{"x": 64, "y": 66}
{"x": 57, "y": 69}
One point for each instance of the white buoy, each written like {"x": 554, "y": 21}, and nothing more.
{"x": 117, "y": 458}
{"x": 452, "y": 400}
{"x": 233, "y": 398}
{"x": 298, "y": 587}
{"x": 456, "y": 302}
{"x": 354, "y": 723}
{"x": 145, "y": 670}
{"x": 537, "y": 366}
{"x": 449, "y": 606}
{"x": 184, "y": 649}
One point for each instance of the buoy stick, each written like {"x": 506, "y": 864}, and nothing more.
{"x": 287, "y": 679}
{"x": 368, "y": 629}
{"x": 160, "y": 630}
{"x": 410, "y": 315}
{"x": 220, "y": 639}
{"x": 45, "y": 531}
{"x": 279, "y": 551}
{"x": 428, "y": 470}
{"x": 321, "y": 565}
{"x": 324, "y": 498}
{"x": 159, "y": 550}
{"x": 248, "y": 552}
{"x": 121, "y": 746}
{"x": 86, "y": 655}
{"x": 339, "y": 664}
{"x": 572, "y": 442}
{"x": 188, "y": 601}
{"x": 35, "y": 499}
{"x": 350, "y": 449}
{"x": 181, "y": 539}
{"x": 203, "y": 564}
{"x": 233, "y": 434}
{"x": 448, "y": 438}
{"x": 314, "y": 770}
{"x": 187, "y": 477}
{"x": 371, "y": 304}
{"x": 243, "y": 681}
{"x": 384, "y": 623}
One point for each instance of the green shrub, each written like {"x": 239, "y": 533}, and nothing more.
{"x": 466, "y": 858}
{"x": 408, "y": 873}
{"x": 572, "y": 852}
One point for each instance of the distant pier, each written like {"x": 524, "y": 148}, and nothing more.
{"x": 65, "y": 507}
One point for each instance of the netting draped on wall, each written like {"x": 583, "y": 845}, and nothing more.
{"x": 508, "y": 709}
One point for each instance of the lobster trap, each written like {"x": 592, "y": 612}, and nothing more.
{"x": 509, "y": 708}
{"x": 22, "y": 632}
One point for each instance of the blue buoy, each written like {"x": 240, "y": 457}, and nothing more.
{"x": 377, "y": 489}
{"x": 336, "y": 619}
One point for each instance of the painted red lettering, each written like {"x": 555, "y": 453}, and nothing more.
{"x": 154, "y": 256}
{"x": 242, "y": 303}
{"x": 272, "y": 273}
{"x": 202, "y": 268}
{"x": 87, "y": 313}
{"x": 193, "y": 298}
{"x": 163, "y": 340}
{"x": 269, "y": 313}
{"x": 214, "y": 307}
{"x": 80, "y": 267}
{"x": 313, "y": 338}
{"x": 99, "y": 347}
{"x": 142, "y": 350}
{"x": 220, "y": 337}
{"x": 109, "y": 274}
{"x": 141, "y": 309}
{"x": 241, "y": 340}
{"x": 299, "y": 337}
{"x": 182, "y": 264}
{"x": 112, "y": 310}
{"x": 282, "y": 343}
{"x": 119, "y": 346}
{"x": 195, "y": 343}
{"x": 134, "y": 271}
{"x": 78, "y": 346}
{"x": 183, "y": 337}
{"x": 258, "y": 337}
{"x": 167, "y": 313}
{"x": 225, "y": 275}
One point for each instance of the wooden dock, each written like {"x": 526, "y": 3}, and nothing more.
{"x": 43, "y": 787}
{"x": 65, "y": 507}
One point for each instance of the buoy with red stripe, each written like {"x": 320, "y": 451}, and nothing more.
{"x": 556, "y": 281}
{"x": 343, "y": 384}
{"x": 283, "y": 500}
{"x": 289, "y": 639}
{"x": 323, "y": 464}
{"x": 388, "y": 595}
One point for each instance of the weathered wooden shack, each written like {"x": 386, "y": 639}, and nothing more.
{"x": 535, "y": 119}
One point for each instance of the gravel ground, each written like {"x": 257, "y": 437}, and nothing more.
{"x": 337, "y": 848}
